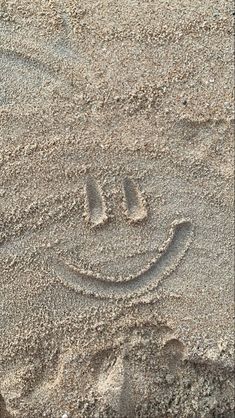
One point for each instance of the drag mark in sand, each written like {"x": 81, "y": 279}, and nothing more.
{"x": 94, "y": 203}
{"x": 167, "y": 259}
{"x": 134, "y": 203}
{"x": 22, "y": 59}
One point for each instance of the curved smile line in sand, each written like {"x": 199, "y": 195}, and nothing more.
{"x": 166, "y": 261}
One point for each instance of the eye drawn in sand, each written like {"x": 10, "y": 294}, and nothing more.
{"x": 134, "y": 204}
{"x": 94, "y": 203}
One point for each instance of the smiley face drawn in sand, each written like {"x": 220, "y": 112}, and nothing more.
{"x": 76, "y": 240}
{"x": 166, "y": 260}
{"x": 156, "y": 236}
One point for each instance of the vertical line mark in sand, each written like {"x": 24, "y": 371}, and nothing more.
{"x": 64, "y": 45}
{"x": 66, "y": 23}
{"x": 135, "y": 208}
{"x": 3, "y": 410}
{"x": 94, "y": 203}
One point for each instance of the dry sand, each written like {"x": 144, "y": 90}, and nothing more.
{"x": 116, "y": 202}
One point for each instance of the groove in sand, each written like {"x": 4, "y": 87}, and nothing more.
{"x": 167, "y": 260}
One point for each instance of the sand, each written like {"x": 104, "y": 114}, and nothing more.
{"x": 116, "y": 209}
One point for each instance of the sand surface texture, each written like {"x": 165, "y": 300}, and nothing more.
{"x": 116, "y": 202}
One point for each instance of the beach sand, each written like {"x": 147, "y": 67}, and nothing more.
{"x": 116, "y": 209}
